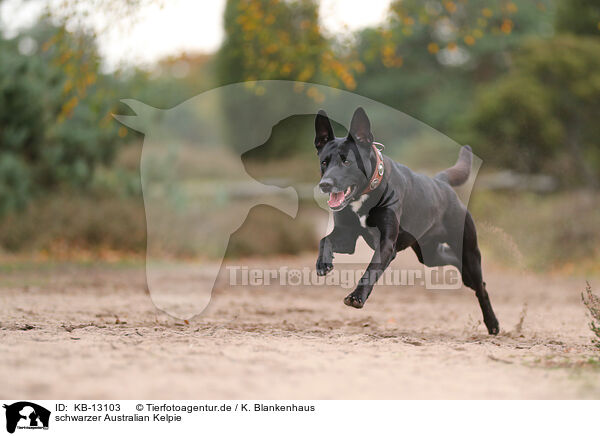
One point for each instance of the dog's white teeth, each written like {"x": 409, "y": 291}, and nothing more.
{"x": 347, "y": 191}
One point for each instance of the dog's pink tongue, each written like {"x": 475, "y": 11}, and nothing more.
{"x": 335, "y": 199}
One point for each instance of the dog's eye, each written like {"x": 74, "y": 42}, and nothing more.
{"x": 323, "y": 164}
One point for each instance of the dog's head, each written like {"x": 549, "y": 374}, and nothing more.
{"x": 346, "y": 163}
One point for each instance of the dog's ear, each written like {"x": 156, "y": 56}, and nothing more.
{"x": 360, "y": 128}
{"x": 323, "y": 129}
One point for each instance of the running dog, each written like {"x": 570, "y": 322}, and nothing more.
{"x": 394, "y": 208}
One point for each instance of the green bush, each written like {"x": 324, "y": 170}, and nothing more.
{"x": 15, "y": 183}
{"x": 541, "y": 116}
{"x": 579, "y": 17}
{"x": 55, "y": 124}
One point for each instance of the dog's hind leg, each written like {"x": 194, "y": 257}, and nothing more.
{"x": 472, "y": 275}
{"x": 436, "y": 254}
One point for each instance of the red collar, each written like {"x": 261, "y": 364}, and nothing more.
{"x": 379, "y": 169}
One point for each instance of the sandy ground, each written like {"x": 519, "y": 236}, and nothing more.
{"x": 93, "y": 332}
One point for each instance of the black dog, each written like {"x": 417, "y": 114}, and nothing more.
{"x": 393, "y": 208}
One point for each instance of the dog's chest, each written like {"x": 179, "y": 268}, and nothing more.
{"x": 360, "y": 209}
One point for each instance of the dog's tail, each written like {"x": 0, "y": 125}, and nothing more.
{"x": 459, "y": 173}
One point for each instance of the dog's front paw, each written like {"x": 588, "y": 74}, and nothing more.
{"x": 354, "y": 300}
{"x": 323, "y": 267}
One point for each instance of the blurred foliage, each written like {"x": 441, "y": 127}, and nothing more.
{"x": 518, "y": 79}
{"x": 171, "y": 81}
{"x": 425, "y": 59}
{"x": 579, "y": 17}
{"x": 541, "y": 116}
{"x": 276, "y": 39}
{"x": 55, "y": 105}
{"x": 428, "y": 57}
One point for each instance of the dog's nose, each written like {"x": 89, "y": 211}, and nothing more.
{"x": 326, "y": 185}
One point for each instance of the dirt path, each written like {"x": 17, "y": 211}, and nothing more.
{"x": 92, "y": 332}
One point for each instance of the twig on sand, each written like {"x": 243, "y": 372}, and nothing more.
{"x": 497, "y": 359}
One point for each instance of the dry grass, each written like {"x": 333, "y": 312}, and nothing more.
{"x": 65, "y": 225}
{"x": 543, "y": 232}
{"x": 91, "y": 227}
{"x": 556, "y": 232}
{"x": 592, "y": 303}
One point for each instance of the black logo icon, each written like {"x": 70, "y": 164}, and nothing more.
{"x": 26, "y": 415}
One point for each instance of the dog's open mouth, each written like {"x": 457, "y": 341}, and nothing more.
{"x": 338, "y": 200}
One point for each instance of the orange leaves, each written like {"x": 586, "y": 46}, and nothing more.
{"x": 357, "y": 66}
{"x": 307, "y": 73}
{"x": 90, "y": 79}
{"x": 282, "y": 39}
{"x": 511, "y": 8}
{"x": 67, "y": 86}
{"x": 449, "y": 25}
{"x": 450, "y": 6}
{"x": 469, "y": 40}
{"x": 270, "y": 49}
{"x": 389, "y": 56}
{"x": 507, "y": 26}
{"x": 65, "y": 56}
{"x": 67, "y": 108}
{"x": 339, "y": 70}
{"x": 71, "y": 53}
{"x": 388, "y": 50}
{"x": 46, "y": 46}
{"x": 314, "y": 93}
{"x": 286, "y": 69}
{"x": 433, "y": 48}
{"x": 349, "y": 81}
